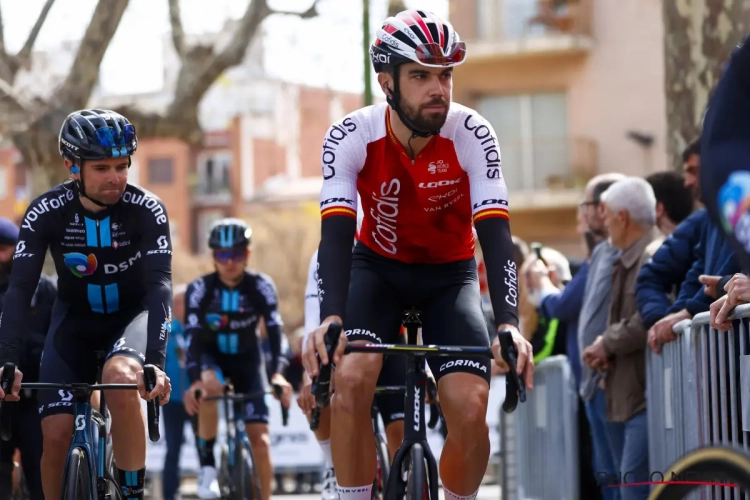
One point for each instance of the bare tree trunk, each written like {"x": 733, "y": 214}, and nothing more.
{"x": 698, "y": 38}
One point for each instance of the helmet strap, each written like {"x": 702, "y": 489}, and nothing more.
{"x": 394, "y": 101}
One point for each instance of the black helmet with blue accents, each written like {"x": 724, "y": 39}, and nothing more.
{"x": 95, "y": 134}
{"x": 230, "y": 233}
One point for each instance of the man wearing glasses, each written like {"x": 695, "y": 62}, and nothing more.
{"x": 223, "y": 311}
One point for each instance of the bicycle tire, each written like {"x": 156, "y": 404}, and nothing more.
{"x": 78, "y": 476}
{"x": 225, "y": 473}
{"x": 384, "y": 467}
{"x": 251, "y": 483}
{"x": 416, "y": 484}
{"x": 711, "y": 463}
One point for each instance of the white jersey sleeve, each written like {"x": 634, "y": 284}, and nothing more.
{"x": 479, "y": 155}
{"x": 344, "y": 155}
{"x": 312, "y": 304}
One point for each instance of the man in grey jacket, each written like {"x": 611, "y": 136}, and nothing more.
{"x": 593, "y": 322}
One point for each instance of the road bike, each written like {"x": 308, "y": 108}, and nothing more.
{"x": 414, "y": 458}
{"x": 89, "y": 472}
{"x": 237, "y": 474}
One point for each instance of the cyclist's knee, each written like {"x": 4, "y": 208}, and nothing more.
{"x": 120, "y": 370}
{"x": 463, "y": 400}
{"x": 260, "y": 440}
{"x": 57, "y": 434}
{"x": 356, "y": 376}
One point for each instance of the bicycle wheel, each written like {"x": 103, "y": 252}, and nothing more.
{"x": 78, "y": 476}
{"x": 416, "y": 484}
{"x": 709, "y": 464}
{"x": 250, "y": 481}
{"x": 384, "y": 467}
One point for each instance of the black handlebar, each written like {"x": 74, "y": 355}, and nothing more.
{"x": 277, "y": 390}
{"x": 83, "y": 390}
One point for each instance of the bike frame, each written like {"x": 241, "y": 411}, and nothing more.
{"x": 414, "y": 420}
{"x": 86, "y": 421}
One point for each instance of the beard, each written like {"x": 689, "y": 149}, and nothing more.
{"x": 426, "y": 121}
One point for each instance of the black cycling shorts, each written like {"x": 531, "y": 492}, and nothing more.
{"x": 391, "y": 406}
{"x": 245, "y": 371}
{"x": 69, "y": 354}
{"x": 381, "y": 289}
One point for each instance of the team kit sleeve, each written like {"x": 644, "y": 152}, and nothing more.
{"x": 479, "y": 154}
{"x": 344, "y": 152}
{"x": 28, "y": 260}
{"x": 156, "y": 247}
{"x": 194, "y": 335}
{"x": 272, "y": 318}
{"x": 312, "y": 304}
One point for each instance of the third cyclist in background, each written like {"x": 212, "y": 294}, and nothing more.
{"x": 223, "y": 309}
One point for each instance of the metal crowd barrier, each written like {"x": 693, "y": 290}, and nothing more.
{"x": 547, "y": 435}
{"x": 695, "y": 396}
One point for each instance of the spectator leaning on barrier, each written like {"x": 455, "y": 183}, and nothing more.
{"x": 713, "y": 257}
{"x": 661, "y": 277}
{"x": 674, "y": 200}
{"x": 630, "y": 217}
{"x": 593, "y": 320}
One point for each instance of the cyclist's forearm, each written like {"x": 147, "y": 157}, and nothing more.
{"x": 502, "y": 275}
{"x": 159, "y": 306}
{"x": 274, "y": 343}
{"x": 15, "y": 314}
{"x": 334, "y": 263}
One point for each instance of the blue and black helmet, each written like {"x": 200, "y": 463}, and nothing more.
{"x": 95, "y": 134}
{"x": 230, "y": 233}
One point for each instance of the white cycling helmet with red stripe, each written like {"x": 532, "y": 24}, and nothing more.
{"x": 415, "y": 36}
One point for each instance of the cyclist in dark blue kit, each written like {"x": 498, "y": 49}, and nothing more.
{"x": 223, "y": 310}
{"x": 111, "y": 247}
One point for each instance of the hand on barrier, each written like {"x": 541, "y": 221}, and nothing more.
{"x": 715, "y": 309}
{"x": 738, "y": 292}
{"x": 663, "y": 330}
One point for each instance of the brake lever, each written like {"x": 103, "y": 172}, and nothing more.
{"x": 514, "y": 386}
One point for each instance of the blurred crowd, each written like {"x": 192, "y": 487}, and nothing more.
{"x": 652, "y": 260}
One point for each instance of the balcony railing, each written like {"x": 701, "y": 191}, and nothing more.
{"x": 548, "y": 163}
{"x": 533, "y": 25}
{"x": 207, "y": 191}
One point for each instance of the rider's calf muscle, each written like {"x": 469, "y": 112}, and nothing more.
{"x": 128, "y": 430}
{"x": 56, "y": 433}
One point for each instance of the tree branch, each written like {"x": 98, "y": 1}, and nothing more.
{"x": 178, "y": 33}
{"x": 308, "y": 14}
{"x": 3, "y": 53}
{"x": 14, "y": 108}
{"x": 76, "y": 90}
{"x": 24, "y": 55}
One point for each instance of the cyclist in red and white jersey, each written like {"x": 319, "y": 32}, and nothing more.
{"x": 425, "y": 169}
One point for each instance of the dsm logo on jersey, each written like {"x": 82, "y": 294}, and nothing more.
{"x": 216, "y": 321}
{"x": 80, "y": 265}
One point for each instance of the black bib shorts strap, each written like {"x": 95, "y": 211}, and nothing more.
{"x": 382, "y": 289}
{"x": 74, "y": 337}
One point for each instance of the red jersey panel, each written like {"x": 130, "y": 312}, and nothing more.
{"x": 420, "y": 210}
